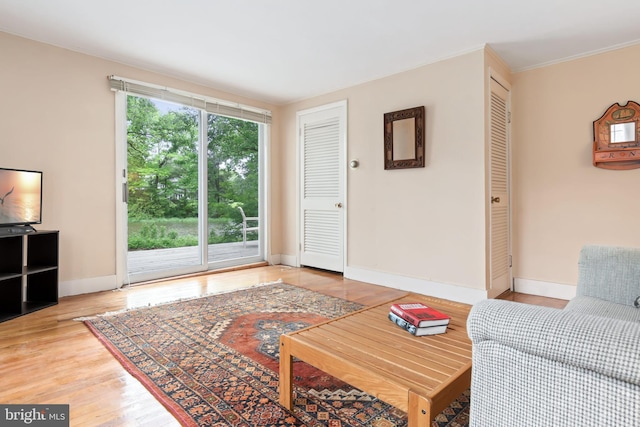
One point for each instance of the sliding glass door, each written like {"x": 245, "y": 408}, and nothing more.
{"x": 192, "y": 190}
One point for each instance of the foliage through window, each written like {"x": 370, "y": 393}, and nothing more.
{"x": 162, "y": 151}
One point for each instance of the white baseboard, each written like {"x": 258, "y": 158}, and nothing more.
{"x": 419, "y": 286}
{"x": 85, "y": 286}
{"x": 274, "y": 259}
{"x": 544, "y": 289}
{"x": 290, "y": 260}
{"x": 436, "y": 289}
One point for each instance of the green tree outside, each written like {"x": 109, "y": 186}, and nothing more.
{"x": 162, "y": 148}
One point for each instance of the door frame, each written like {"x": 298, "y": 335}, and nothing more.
{"x": 342, "y": 105}
{"x": 122, "y": 245}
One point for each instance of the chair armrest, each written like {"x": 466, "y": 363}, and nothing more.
{"x": 609, "y": 273}
{"x": 607, "y": 346}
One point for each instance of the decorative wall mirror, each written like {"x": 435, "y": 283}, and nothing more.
{"x": 616, "y": 137}
{"x": 404, "y": 139}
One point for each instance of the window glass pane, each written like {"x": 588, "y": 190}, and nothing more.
{"x": 162, "y": 162}
{"x": 232, "y": 188}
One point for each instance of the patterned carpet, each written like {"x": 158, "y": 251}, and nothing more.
{"x": 213, "y": 361}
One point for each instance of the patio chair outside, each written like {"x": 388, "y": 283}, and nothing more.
{"x": 246, "y": 228}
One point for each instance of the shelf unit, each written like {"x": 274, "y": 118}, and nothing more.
{"x": 28, "y": 272}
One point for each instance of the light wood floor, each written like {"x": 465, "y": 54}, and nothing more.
{"x": 47, "y": 357}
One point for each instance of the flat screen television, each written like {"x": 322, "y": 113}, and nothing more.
{"x": 20, "y": 197}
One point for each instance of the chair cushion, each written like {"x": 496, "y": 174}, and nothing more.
{"x": 610, "y": 273}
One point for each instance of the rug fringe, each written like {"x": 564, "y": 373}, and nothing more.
{"x": 124, "y": 310}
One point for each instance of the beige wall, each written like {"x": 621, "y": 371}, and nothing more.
{"x": 58, "y": 116}
{"x": 560, "y": 200}
{"x": 423, "y": 223}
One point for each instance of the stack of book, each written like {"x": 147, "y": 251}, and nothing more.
{"x": 419, "y": 319}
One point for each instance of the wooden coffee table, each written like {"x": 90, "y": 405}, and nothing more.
{"x": 419, "y": 375}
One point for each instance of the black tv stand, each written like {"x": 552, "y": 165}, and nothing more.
{"x": 28, "y": 272}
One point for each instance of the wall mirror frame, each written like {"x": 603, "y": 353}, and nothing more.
{"x": 404, "y": 138}
{"x": 616, "y": 137}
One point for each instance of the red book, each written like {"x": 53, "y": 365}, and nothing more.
{"x": 420, "y": 315}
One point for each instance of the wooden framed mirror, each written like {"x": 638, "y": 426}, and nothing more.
{"x": 404, "y": 139}
{"x": 616, "y": 137}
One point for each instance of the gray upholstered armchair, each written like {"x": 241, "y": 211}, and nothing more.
{"x": 579, "y": 366}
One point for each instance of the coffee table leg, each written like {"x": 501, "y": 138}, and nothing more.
{"x": 419, "y": 410}
{"x": 286, "y": 373}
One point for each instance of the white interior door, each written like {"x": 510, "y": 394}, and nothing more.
{"x": 500, "y": 253}
{"x": 322, "y": 142}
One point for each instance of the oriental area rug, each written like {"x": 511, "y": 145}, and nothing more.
{"x": 214, "y": 361}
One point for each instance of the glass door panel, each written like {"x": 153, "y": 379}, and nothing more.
{"x": 233, "y": 191}
{"x": 163, "y": 203}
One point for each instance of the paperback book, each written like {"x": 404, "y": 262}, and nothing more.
{"x": 420, "y": 315}
{"x": 428, "y": 330}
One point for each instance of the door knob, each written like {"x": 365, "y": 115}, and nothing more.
{"x": 495, "y": 199}
{"x": 338, "y": 205}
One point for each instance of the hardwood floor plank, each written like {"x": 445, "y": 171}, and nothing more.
{"x": 47, "y": 357}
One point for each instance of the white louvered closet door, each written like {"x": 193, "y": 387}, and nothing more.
{"x": 500, "y": 264}
{"x": 323, "y": 141}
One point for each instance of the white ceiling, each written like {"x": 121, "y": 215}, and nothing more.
{"x": 281, "y": 51}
